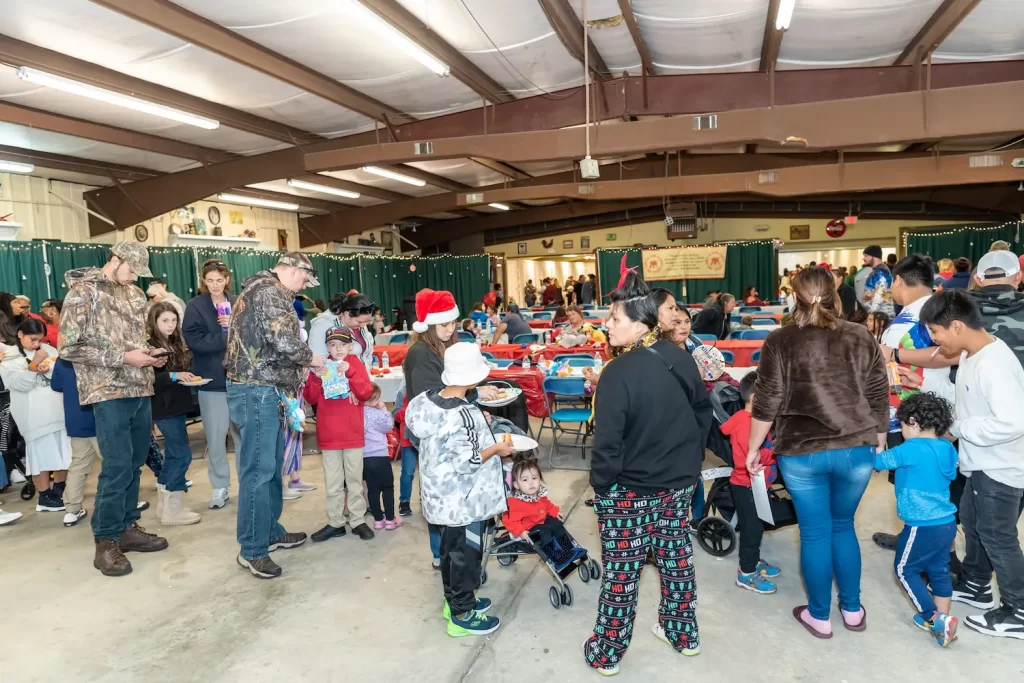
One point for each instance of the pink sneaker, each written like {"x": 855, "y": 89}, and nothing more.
{"x": 378, "y": 525}
{"x": 299, "y": 485}
{"x": 393, "y": 524}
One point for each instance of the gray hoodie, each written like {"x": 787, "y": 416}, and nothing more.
{"x": 457, "y": 489}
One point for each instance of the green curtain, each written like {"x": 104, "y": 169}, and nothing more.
{"x": 242, "y": 263}
{"x": 956, "y": 241}
{"x": 746, "y": 263}
{"x": 177, "y": 267}
{"x": 65, "y": 256}
{"x": 388, "y": 280}
{"x": 22, "y": 272}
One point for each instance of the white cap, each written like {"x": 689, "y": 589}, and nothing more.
{"x": 1005, "y": 261}
{"x": 464, "y": 366}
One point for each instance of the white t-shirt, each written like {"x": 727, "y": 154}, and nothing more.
{"x": 989, "y": 397}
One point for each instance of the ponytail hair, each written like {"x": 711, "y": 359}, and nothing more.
{"x": 634, "y": 296}
{"x": 817, "y": 303}
{"x": 27, "y": 327}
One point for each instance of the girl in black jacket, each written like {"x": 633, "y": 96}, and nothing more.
{"x": 652, "y": 415}
{"x": 172, "y": 400}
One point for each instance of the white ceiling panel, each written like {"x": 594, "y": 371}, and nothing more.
{"x": 71, "y": 177}
{"x": 14, "y": 135}
{"x": 702, "y": 35}
{"x": 283, "y": 187}
{"x": 518, "y": 49}
{"x": 994, "y": 30}
{"x": 536, "y": 168}
{"x": 87, "y": 31}
{"x": 837, "y": 33}
{"x": 461, "y": 171}
{"x": 610, "y": 35}
{"x": 356, "y": 175}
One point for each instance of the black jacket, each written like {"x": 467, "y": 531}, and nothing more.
{"x": 206, "y": 340}
{"x": 651, "y": 425}
{"x": 712, "y": 320}
{"x": 170, "y": 399}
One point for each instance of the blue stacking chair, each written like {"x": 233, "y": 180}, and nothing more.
{"x": 755, "y": 357}
{"x": 588, "y": 307}
{"x": 765, "y": 321}
{"x": 488, "y": 355}
{"x": 400, "y": 338}
{"x": 552, "y": 308}
{"x": 728, "y": 356}
{"x": 735, "y": 318}
{"x": 750, "y": 309}
{"x": 466, "y": 336}
{"x": 754, "y": 335}
{"x": 576, "y": 360}
{"x": 566, "y": 400}
{"x": 502, "y": 363}
{"x": 526, "y": 339}
{"x": 542, "y": 315}
{"x": 707, "y": 337}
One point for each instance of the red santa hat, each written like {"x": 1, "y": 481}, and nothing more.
{"x": 434, "y": 308}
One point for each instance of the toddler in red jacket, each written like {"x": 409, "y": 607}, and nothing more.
{"x": 754, "y": 573}
{"x": 531, "y": 516}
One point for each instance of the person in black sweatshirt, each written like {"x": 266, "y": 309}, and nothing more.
{"x": 715, "y": 319}
{"x": 652, "y": 416}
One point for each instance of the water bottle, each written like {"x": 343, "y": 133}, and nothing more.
{"x": 385, "y": 362}
{"x": 526, "y": 362}
{"x": 598, "y": 363}
{"x": 405, "y": 326}
{"x": 376, "y": 363}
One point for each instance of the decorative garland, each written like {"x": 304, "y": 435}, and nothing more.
{"x": 960, "y": 231}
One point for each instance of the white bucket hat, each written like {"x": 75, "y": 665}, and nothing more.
{"x": 464, "y": 366}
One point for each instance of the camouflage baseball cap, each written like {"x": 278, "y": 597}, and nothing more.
{"x": 135, "y": 255}
{"x": 296, "y": 259}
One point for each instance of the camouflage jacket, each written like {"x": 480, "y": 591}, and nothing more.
{"x": 100, "y": 321}
{"x": 1002, "y": 307}
{"x": 264, "y": 346}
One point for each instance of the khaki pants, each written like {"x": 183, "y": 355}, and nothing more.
{"x": 84, "y": 452}
{"x": 344, "y": 468}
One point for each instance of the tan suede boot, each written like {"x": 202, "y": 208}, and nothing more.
{"x": 175, "y": 513}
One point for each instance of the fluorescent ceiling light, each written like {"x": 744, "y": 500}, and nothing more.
{"x": 110, "y": 97}
{"x": 570, "y": 255}
{"x": 785, "y": 14}
{"x": 16, "y": 167}
{"x": 326, "y": 189}
{"x": 496, "y": 205}
{"x": 385, "y": 173}
{"x": 404, "y": 43}
{"x": 255, "y": 201}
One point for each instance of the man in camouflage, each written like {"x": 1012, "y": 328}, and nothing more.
{"x": 103, "y": 332}
{"x": 1002, "y": 306}
{"x": 265, "y": 357}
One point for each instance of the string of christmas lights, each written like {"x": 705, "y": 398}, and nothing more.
{"x": 960, "y": 231}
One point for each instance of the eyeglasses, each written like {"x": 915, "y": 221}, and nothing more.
{"x": 363, "y": 310}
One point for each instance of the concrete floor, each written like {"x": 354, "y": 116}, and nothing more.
{"x": 347, "y": 610}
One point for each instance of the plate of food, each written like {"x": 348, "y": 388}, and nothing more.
{"x": 519, "y": 442}
{"x": 197, "y": 382}
{"x": 506, "y": 395}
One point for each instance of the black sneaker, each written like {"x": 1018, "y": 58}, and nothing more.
{"x": 404, "y": 509}
{"x": 49, "y": 501}
{"x": 974, "y": 594}
{"x": 885, "y": 541}
{"x": 263, "y": 568}
{"x": 362, "y": 531}
{"x": 287, "y": 541}
{"x": 327, "y": 533}
{"x": 1002, "y": 622}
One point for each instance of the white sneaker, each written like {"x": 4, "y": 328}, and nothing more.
{"x": 659, "y": 631}
{"x": 17, "y": 477}
{"x": 219, "y": 499}
{"x": 8, "y": 517}
{"x": 299, "y": 485}
{"x": 290, "y": 494}
{"x": 73, "y": 518}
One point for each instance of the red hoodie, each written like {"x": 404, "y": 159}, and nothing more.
{"x": 523, "y": 515}
{"x": 737, "y": 428}
{"x": 339, "y": 421}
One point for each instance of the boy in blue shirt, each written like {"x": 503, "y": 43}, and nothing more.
{"x": 925, "y": 465}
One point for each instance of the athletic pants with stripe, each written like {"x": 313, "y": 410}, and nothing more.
{"x": 633, "y": 525}
{"x": 925, "y": 550}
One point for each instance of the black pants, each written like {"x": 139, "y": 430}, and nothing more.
{"x": 380, "y": 484}
{"x": 543, "y": 533}
{"x": 989, "y": 510}
{"x": 751, "y": 527}
{"x": 461, "y": 555}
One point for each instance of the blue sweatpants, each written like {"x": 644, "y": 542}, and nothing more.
{"x": 925, "y": 550}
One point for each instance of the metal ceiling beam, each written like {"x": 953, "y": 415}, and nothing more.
{"x": 680, "y": 94}
{"x": 626, "y": 7}
{"x": 62, "y": 162}
{"x": 192, "y": 28}
{"x": 57, "y": 123}
{"x": 503, "y": 169}
{"x": 938, "y": 27}
{"x": 864, "y": 121}
{"x": 569, "y": 29}
{"x": 18, "y": 53}
{"x": 462, "y": 68}
{"x": 772, "y": 41}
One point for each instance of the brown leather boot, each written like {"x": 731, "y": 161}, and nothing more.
{"x": 135, "y": 538}
{"x": 110, "y": 560}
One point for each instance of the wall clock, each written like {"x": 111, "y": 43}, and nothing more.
{"x": 141, "y": 233}
{"x": 214, "y": 215}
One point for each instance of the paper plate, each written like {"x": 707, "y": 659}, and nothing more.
{"x": 197, "y": 383}
{"x": 523, "y": 443}
{"x": 513, "y": 394}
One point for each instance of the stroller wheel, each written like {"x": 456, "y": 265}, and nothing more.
{"x": 483, "y": 576}
{"x": 595, "y": 570}
{"x": 566, "y": 596}
{"x": 28, "y": 491}
{"x": 584, "y": 573}
{"x": 506, "y": 560}
{"x": 716, "y": 536}
{"x": 554, "y": 597}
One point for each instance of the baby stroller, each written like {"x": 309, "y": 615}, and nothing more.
{"x": 716, "y": 530}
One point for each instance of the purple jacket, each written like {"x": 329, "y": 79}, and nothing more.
{"x": 377, "y": 422}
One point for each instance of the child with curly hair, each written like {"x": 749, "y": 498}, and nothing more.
{"x": 925, "y": 464}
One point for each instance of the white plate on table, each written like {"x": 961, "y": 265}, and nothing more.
{"x": 197, "y": 383}
{"x": 513, "y": 394}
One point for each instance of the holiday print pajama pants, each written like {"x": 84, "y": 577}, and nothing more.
{"x": 633, "y": 525}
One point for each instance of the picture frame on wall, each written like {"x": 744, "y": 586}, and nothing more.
{"x": 521, "y": 249}
{"x": 387, "y": 240}
{"x": 584, "y": 243}
{"x": 799, "y": 232}
{"x": 566, "y": 244}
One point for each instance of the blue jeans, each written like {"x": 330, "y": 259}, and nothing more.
{"x": 178, "y": 455}
{"x": 697, "y": 504}
{"x": 256, "y": 411}
{"x": 409, "y": 460}
{"x": 925, "y": 549}
{"x": 826, "y": 488}
{"x": 123, "y": 430}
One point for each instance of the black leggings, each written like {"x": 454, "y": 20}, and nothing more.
{"x": 751, "y": 527}
{"x": 380, "y": 484}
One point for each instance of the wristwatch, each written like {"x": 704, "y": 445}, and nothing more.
{"x": 896, "y": 355}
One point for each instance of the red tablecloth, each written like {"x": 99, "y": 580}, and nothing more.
{"x": 551, "y": 351}
{"x": 742, "y": 350}
{"x": 530, "y": 382}
{"x": 596, "y": 322}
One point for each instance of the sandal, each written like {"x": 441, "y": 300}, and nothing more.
{"x": 800, "y": 609}
{"x": 863, "y": 621}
